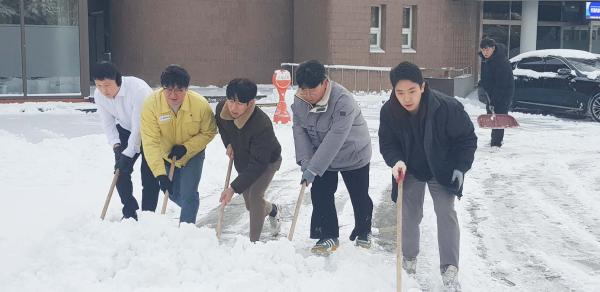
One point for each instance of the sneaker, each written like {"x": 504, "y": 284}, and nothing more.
{"x": 450, "y": 278}
{"x": 409, "y": 265}
{"x": 325, "y": 246}
{"x": 275, "y": 221}
{"x": 364, "y": 241}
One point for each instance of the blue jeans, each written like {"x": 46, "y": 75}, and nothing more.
{"x": 185, "y": 187}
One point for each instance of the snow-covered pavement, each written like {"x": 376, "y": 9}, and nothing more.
{"x": 529, "y": 217}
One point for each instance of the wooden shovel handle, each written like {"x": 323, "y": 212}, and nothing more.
{"x": 399, "y": 200}
{"x": 296, "y": 212}
{"x": 166, "y": 198}
{"x": 110, "y": 192}
{"x": 222, "y": 207}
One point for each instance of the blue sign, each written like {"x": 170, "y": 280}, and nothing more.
{"x": 592, "y": 10}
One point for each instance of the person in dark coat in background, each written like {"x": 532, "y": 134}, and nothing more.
{"x": 247, "y": 134}
{"x": 496, "y": 81}
{"x": 429, "y": 137}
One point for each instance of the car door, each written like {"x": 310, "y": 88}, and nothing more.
{"x": 560, "y": 88}
{"x": 528, "y": 85}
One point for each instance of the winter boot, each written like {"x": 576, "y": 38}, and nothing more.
{"x": 450, "y": 278}
{"x": 409, "y": 265}
{"x": 364, "y": 241}
{"x": 275, "y": 221}
{"x": 325, "y": 246}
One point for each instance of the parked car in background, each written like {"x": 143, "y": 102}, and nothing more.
{"x": 557, "y": 81}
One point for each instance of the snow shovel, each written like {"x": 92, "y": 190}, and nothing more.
{"x": 496, "y": 121}
{"x": 399, "y": 199}
{"x": 110, "y": 192}
{"x": 222, "y": 207}
{"x": 296, "y": 212}
{"x": 166, "y": 198}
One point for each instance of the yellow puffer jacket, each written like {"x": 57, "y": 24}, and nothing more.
{"x": 193, "y": 127}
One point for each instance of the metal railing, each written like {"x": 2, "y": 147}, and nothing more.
{"x": 363, "y": 77}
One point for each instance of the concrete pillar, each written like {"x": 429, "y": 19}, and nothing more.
{"x": 529, "y": 19}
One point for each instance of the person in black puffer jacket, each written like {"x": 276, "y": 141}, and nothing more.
{"x": 429, "y": 137}
{"x": 497, "y": 81}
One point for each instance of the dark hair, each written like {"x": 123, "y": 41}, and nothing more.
{"x": 175, "y": 76}
{"x": 310, "y": 74}
{"x": 241, "y": 89}
{"x": 487, "y": 43}
{"x": 106, "y": 70}
{"x": 406, "y": 71}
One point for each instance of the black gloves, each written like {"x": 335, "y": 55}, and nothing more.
{"x": 165, "y": 183}
{"x": 178, "y": 151}
{"x": 117, "y": 149}
{"x": 125, "y": 164}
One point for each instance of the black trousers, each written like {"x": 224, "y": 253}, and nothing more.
{"x": 497, "y": 134}
{"x": 324, "y": 221}
{"x": 150, "y": 188}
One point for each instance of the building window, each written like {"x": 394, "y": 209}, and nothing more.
{"x": 11, "y": 82}
{"x": 407, "y": 28}
{"x": 47, "y": 42}
{"x": 375, "y": 32}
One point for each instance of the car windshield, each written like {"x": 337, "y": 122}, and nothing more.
{"x": 585, "y": 65}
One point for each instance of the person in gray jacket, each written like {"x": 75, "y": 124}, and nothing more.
{"x": 331, "y": 136}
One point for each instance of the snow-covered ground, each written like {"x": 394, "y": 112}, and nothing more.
{"x": 529, "y": 217}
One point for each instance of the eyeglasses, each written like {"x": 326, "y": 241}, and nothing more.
{"x": 306, "y": 92}
{"x": 174, "y": 90}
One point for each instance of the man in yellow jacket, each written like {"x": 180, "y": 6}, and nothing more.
{"x": 177, "y": 123}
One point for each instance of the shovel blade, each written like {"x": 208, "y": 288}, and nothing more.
{"x": 497, "y": 121}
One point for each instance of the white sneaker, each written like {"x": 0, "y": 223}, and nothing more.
{"x": 275, "y": 222}
{"x": 409, "y": 265}
{"x": 450, "y": 278}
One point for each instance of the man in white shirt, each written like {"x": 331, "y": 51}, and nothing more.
{"x": 120, "y": 100}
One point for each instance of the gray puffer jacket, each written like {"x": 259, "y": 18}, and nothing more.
{"x": 332, "y": 136}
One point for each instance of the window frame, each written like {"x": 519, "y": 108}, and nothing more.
{"x": 376, "y": 48}
{"x": 409, "y": 30}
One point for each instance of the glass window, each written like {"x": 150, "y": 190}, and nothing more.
{"x": 585, "y": 65}
{"x": 407, "y": 27}
{"x": 516, "y": 9}
{"x": 573, "y": 11}
{"x": 515, "y": 40}
{"x": 576, "y": 37}
{"x": 553, "y": 64}
{"x": 496, "y": 10}
{"x": 375, "y": 34}
{"x": 548, "y": 37}
{"x": 11, "y": 82}
{"x": 534, "y": 63}
{"x": 497, "y": 32}
{"x": 52, "y": 41}
{"x": 549, "y": 11}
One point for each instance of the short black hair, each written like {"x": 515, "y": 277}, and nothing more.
{"x": 487, "y": 43}
{"x": 241, "y": 89}
{"x": 175, "y": 76}
{"x": 310, "y": 74}
{"x": 406, "y": 71}
{"x": 107, "y": 70}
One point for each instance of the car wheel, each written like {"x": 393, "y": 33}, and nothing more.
{"x": 594, "y": 108}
